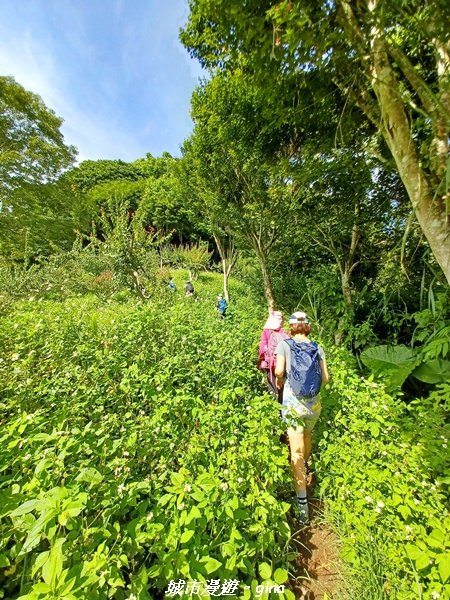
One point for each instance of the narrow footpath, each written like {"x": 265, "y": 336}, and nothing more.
{"x": 318, "y": 567}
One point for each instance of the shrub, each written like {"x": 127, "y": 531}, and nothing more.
{"x": 384, "y": 469}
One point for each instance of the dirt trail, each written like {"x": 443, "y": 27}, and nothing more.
{"x": 318, "y": 572}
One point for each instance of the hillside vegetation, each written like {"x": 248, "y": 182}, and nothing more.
{"x": 138, "y": 447}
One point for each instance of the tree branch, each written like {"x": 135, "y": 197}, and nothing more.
{"x": 430, "y": 101}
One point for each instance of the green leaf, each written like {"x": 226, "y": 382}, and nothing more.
{"x": 41, "y": 588}
{"x": 211, "y": 564}
{"x": 154, "y": 571}
{"x": 39, "y": 562}
{"x": 177, "y": 480}
{"x": 265, "y": 570}
{"x": 392, "y": 363}
{"x": 52, "y": 568}
{"x": 186, "y": 536}
{"x": 9, "y": 502}
{"x": 166, "y": 498}
{"x": 444, "y": 567}
{"x": 433, "y": 371}
{"x": 4, "y": 560}
{"x": 228, "y": 549}
{"x": 194, "y": 513}
{"x": 90, "y": 475}
{"x": 422, "y": 561}
{"x": 374, "y": 430}
{"x": 26, "y": 507}
{"x": 280, "y": 576}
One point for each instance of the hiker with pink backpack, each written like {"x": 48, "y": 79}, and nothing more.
{"x": 272, "y": 334}
{"x": 300, "y": 371}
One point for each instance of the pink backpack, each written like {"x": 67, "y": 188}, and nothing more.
{"x": 269, "y": 355}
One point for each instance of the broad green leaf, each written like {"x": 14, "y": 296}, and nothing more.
{"x": 26, "y": 507}
{"x": 90, "y": 475}
{"x": 35, "y": 534}
{"x": 392, "y": 363}
{"x": 4, "y": 560}
{"x": 154, "y": 571}
{"x": 41, "y": 588}
{"x": 228, "y": 549}
{"x": 52, "y": 568}
{"x": 374, "y": 430}
{"x": 433, "y": 371}
{"x": 194, "y": 513}
{"x": 444, "y": 567}
{"x": 39, "y": 562}
{"x": 9, "y": 502}
{"x": 423, "y": 561}
{"x": 211, "y": 564}
{"x": 177, "y": 479}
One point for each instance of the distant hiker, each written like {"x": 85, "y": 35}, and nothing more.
{"x": 304, "y": 365}
{"x": 221, "y": 305}
{"x": 189, "y": 288}
{"x": 272, "y": 334}
{"x": 171, "y": 285}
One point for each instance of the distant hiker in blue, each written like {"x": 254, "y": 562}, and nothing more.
{"x": 172, "y": 286}
{"x": 221, "y": 305}
{"x": 301, "y": 367}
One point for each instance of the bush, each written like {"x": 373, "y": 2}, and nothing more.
{"x": 384, "y": 469}
{"x": 136, "y": 450}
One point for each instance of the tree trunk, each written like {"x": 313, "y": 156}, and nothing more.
{"x": 225, "y": 280}
{"x": 228, "y": 257}
{"x": 346, "y": 288}
{"x": 226, "y": 274}
{"x": 430, "y": 204}
{"x": 429, "y": 209}
{"x": 268, "y": 291}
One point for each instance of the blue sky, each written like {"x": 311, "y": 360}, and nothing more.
{"x": 114, "y": 70}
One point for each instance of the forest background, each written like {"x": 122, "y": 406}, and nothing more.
{"x": 317, "y": 174}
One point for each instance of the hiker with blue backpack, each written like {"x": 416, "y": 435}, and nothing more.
{"x": 221, "y": 305}
{"x": 272, "y": 334}
{"x": 301, "y": 368}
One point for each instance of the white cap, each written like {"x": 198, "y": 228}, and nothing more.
{"x": 298, "y": 317}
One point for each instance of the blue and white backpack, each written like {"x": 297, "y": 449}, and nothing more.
{"x": 305, "y": 377}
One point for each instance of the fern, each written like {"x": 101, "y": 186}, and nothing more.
{"x": 438, "y": 344}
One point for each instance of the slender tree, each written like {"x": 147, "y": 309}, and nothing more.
{"x": 236, "y": 157}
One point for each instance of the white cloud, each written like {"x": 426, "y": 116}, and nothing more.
{"x": 120, "y": 84}
{"x": 33, "y": 64}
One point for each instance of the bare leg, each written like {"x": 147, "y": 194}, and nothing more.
{"x": 297, "y": 447}
{"x": 307, "y": 436}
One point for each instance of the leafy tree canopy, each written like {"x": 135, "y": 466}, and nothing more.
{"x": 32, "y": 148}
{"x": 37, "y": 206}
{"x": 387, "y": 58}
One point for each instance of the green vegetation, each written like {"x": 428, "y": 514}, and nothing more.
{"x": 137, "y": 447}
{"x": 384, "y": 469}
{"x": 137, "y": 444}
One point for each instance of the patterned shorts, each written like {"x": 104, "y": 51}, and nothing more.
{"x": 300, "y": 413}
